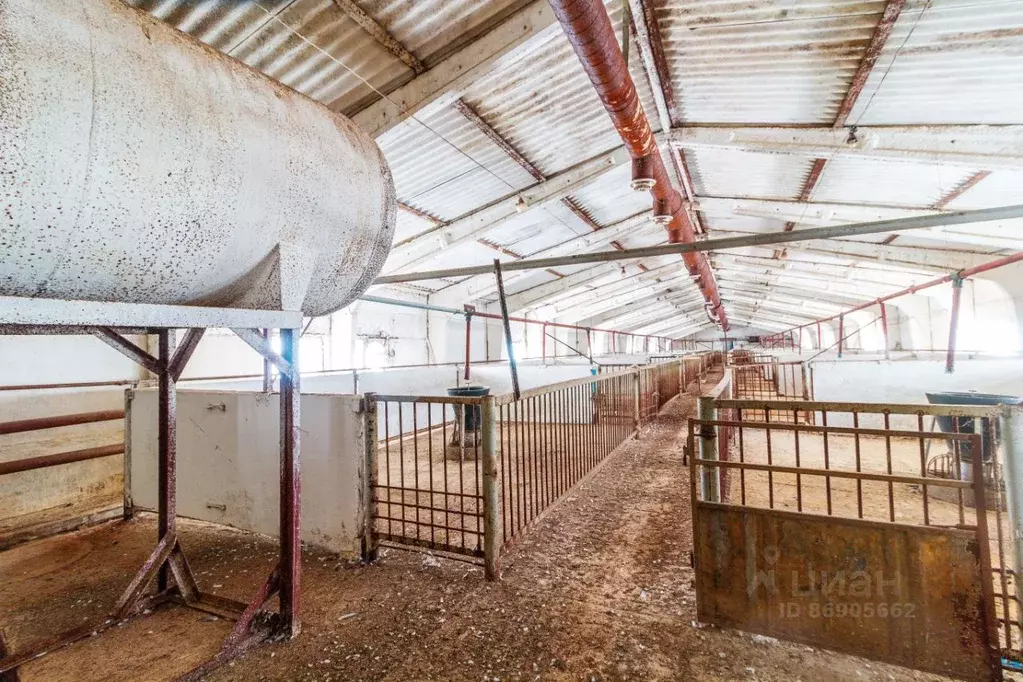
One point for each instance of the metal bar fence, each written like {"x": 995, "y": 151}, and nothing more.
{"x": 467, "y": 476}
{"x": 880, "y": 463}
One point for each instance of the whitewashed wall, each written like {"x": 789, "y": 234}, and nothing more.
{"x": 228, "y": 462}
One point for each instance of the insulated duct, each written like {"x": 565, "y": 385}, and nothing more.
{"x": 589, "y": 30}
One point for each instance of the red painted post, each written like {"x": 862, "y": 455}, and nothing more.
{"x": 884, "y": 328}
{"x": 953, "y": 326}
{"x": 841, "y": 333}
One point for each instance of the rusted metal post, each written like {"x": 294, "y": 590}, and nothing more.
{"x": 507, "y": 330}
{"x": 1011, "y": 428}
{"x": 635, "y": 402}
{"x": 589, "y": 345}
{"x": 290, "y": 500}
{"x": 953, "y": 324}
{"x": 166, "y": 448}
{"x": 491, "y": 488}
{"x": 469, "y": 310}
{"x": 370, "y": 543}
{"x": 710, "y": 479}
{"x": 820, "y": 345}
{"x": 884, "y": 329}
{"x": 841, "y": 333}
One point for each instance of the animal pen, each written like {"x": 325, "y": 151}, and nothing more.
{"x": 467, "y": 476}
{"x": 864, "y": 529}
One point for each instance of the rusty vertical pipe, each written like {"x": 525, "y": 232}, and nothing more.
{"x": 953, "y": 324}
{"x": 468, "y": 341}
{"x": 588, "y": 28}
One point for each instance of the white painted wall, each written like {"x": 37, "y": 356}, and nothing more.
{"x": 228, "y": 462}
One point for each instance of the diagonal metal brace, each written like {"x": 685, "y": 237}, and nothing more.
{"x": 261, "y": 345}
{"x": 127, "y": 348}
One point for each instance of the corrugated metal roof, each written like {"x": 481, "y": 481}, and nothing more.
{"x": 956, "y": 61}
{"x": 868, "y": 181}
{"x": 753, "y": 63}
{"x": 731, "y": 173}
{"x": 774, "y": 61}
{"x": 546, "y": 107}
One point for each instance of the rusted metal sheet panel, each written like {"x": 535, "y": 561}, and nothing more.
{"x": 917, "y": 597}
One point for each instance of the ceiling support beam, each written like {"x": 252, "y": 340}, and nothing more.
{"x": 423, "y": 246}
{"x": 992, "y": 147}
{"x": 443, "y": 83}
{"x": 782, "y": 237}
{"x": 380, "y": 34}
{"x": 908, "y": 257}
{"x": 481, "y": 286}
{"x": 882, "y": 32}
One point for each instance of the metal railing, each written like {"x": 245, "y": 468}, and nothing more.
{"x": 468, "y": 476}
{"x": 878, "y": 463}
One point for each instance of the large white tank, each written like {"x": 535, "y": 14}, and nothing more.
{"x": 139, "y": 165}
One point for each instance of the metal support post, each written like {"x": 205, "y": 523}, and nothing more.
{"x": 166, "y": 448}
{"x": 291, "y": 546}
{"x": 543, "y": 345}
{"x": 370, "y": 543}
{"x": 268, "y": 378}
{"x": 512, "y": 365}
{"x": 841, "y": 333}
{"x": 491, "y": 488}
{"x": 710, "y": 478}
{"x": 469, "y": 310}
{"x": 884, "y": 330}
{"x": 635, "y": 402}
{"x": 1011, "y": 428}
{"x": 953, "y": 323}
{"x": 806, "y": 383}
{"x": 820, "y": 345}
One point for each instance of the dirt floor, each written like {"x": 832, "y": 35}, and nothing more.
{"x": 600, "y": 590}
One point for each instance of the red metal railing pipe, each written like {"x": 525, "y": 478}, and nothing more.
{"x": 25, "y": 425}
{"x": 589, "y": 30}
{"x": 961, "y": 274}
{"x": 44, "y": 461}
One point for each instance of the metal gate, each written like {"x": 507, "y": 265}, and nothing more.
{"x": 839, "y": 535}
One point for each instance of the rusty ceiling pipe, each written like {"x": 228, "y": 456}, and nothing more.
{"x": 589, "y": 30}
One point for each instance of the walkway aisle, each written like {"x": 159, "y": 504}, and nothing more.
{"x": 601, "y": 590}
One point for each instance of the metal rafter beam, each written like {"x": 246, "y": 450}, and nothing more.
{"x": 914, "y": 258}
{"x": 882, "y": 32}
{"x": 643, "y": 306}
{"x": 443, "y": 83}
{"x": 425, "y": 245}
{"x": 380, "y": 34}
{"x": 991, "y": 215}
{"x": 481, "y": 286}
{"x": 991, "y": 147}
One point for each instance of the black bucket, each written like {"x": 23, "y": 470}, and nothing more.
{"x": 472, "y": 414}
